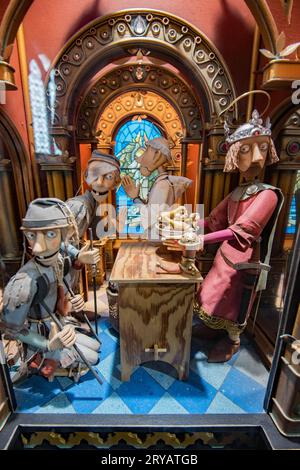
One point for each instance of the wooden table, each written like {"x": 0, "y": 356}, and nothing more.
{"x": 155, "y": 310}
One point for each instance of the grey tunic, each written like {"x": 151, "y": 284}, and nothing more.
{"x": 163, "y": 194}
{"x": 31, "y": 324}
{"x": 84, "y": 209}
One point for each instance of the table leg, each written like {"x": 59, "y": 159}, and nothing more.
{"x": 125, "y": 372}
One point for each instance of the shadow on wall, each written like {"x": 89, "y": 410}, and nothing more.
{"x": 89, "y": 14}
{"x": 234, "y": 37}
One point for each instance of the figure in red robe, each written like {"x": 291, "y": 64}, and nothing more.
{"x": 244, "y": 222}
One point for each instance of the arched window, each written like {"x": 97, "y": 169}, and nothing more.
{"x": 294, "y": 214}
{"x": 130, "y": 141}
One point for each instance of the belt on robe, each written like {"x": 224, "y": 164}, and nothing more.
{"x": 240, "y": 266}
{"x": 38, "y": 320}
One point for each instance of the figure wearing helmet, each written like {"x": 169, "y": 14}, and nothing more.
{"x": 47, "y": 224}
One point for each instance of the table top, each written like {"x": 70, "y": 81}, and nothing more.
{"x": 137, "y": 262}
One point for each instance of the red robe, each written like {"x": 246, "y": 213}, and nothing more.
{"x": 221, "y": 292}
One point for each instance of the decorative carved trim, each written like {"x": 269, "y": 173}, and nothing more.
{"x": 107, "y": 90}
{"x": 136, "y": 440}
{"x": 10, "y": 23}
{"x": 111, "y": 36}
{"x": 266, "y": 22}
{"x": 289, "y": 141}
{"x": 17, "y": 9}
{"x": 138, "y": 104}
{"x": 280, "y": 73}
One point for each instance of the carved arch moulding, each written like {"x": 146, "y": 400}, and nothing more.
{"x": 137, "y": 105}
{"x": 141, "y": 78}
{"x": 17, "y": 10}
{"x": 166, "y": 36}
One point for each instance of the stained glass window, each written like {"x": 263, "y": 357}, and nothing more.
{"x": 130, "y": 142}
{"x": 294, "y": 215}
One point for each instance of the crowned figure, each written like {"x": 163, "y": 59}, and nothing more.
{"x": 244, "y": 222}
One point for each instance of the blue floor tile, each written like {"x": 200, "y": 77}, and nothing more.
{"x": 88, "y": 394}
{"x": 58, "y": 405}
{"x": 113, "y": 335}
{"x": 112, "y": 405}
{"x": 109, "y": 368}
{"x": 105, "y": 323}
{"x": 108, "y": 345}
{"x": 221, "y": 404}
{"x": 35, "y": 392}
{"x": 243, "y": 391}
{"x": 64, "y": 382}
{"x": 141, "y": 393}
{"x": 168, "y": 405}
{"x": 234, "y": 387}
{"x": 195, "y": 394}
{"x": 214, "y": 374}
{"x": 250, "y": 364}
{"x": 163, "y": 373}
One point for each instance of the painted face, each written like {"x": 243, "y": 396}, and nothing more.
{"x": 150, "y": 160}
{"x": 252, "y": 155}
{"x": 44, "y": 244}
{"x": 102, "y": 178}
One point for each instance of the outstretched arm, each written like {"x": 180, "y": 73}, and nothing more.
{"x": 218, "y": 237}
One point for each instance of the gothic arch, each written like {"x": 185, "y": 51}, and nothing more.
{"x": 16, "y": 190}
{"x": 166, "y": 36}
{"x": 281, "y": 114}
{"x": 136, "y": 105}
{"x": 136, "y": 78}
{"x": 17, "y": 9}
{"x": 20, "y": 161}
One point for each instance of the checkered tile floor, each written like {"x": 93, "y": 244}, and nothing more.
{"x": 235, "y": 387}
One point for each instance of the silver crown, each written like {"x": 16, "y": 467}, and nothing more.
{"x": 252, "y": 128}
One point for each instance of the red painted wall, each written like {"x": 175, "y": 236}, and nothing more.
{"x": 229, "y": 25}
{"x": 192, "y": 171}
{"x": 3, "y": 6}
{"x": 14, "y": 105}
{"x": 292, "y": 31}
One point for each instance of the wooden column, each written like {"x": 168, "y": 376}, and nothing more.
{"x": 208, "y": 179}
{"x": 58, "y": 175}
{"x": 184, "y": 151}
{"x": 25, "y": 87}
{"x": 199, "y": 181}
{"x": 9, "y": 240}
{"x": 217, "y": 188}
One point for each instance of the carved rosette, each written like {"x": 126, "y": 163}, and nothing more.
{"x": 162, "y": 32}
{"x": 157, "y": 86}
{"x": 138, "y": 105}
{"x": 289, "y": 139}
